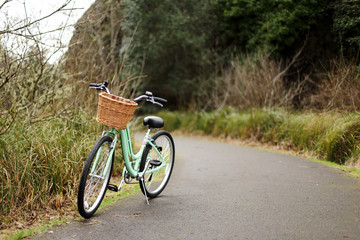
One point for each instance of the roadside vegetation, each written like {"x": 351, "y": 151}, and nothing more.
{"x": 285, "y": 73}
{"x": 41, "y": 164}
{"x": 330, "y": 136}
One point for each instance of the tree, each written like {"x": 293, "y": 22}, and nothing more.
{"x": 347, "y": 24}
{"x": 172, "y": 43}
{"x": 267, "y": 25}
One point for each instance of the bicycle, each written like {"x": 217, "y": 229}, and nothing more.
{"x": 151, "y": 166}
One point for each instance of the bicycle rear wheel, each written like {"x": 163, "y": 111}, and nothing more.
{"x": 155, "y": 182}
{"x": 95, "y": 177}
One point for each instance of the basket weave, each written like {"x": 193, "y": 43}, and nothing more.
{"x": 114, "y": 111}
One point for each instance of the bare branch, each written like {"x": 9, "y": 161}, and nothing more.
{"x": 13, "y": 31}
{"x": 7, "y": 122}
{"x": 5, "y": 2}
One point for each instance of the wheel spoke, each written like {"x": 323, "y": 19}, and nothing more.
{"x": 94, "y": 180}
{"x": 156, "y": 181}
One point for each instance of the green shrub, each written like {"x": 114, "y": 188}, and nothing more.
{"x": 329, "y": 135}
{"x": 342, "y": 139}
{"x": 172, "y": 120}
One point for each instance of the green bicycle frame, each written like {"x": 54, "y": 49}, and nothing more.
{"x": 131, "y": 166}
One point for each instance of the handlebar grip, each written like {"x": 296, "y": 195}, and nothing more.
{"x": 160, "y": 99}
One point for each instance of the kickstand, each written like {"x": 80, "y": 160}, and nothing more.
{"x": 121, "y": 183}
{"x": 143, "y": 185}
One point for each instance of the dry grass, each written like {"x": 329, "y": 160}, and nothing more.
{"x": 339, "y": 89}
{"x": 41, "y": 165}
{"x": 255, "y": 81}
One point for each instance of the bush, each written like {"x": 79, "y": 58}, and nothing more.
{"x": 332, "y": 136}
{"x": 254, "y": 81}
{"x": 339, "y": 88}
{"x": 341, "y": 141}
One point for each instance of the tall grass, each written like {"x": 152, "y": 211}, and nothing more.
{"x": 330, "y": 135}
{"x": 252, "y": 81}
{"x": 41, "y": 163}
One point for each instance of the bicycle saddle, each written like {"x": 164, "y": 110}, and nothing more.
{"x": 153, "y": 122}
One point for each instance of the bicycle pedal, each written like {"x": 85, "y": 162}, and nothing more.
{"x": 155, "y": 162}
{"x": 112, "y": 187}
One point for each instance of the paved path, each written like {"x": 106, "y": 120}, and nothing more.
{"x": 222, "y": 191}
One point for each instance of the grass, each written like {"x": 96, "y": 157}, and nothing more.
{"x": 41, "y": 162}
{"x": 332, "y": 136}
{"x": 41, "y": 165}
{"x": 29, "y": 232}
{"x": 111, "y": 198}
{"x": 354, "y": 172}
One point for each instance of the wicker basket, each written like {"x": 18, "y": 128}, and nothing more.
{"x": 114, "y": 111}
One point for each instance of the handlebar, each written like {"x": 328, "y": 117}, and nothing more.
{"x": 100, "y": 86}
{"x": 148, "y": 96}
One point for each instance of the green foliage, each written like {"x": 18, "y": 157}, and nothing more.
{"x": 179, "y": 46}
{"x": 347, "y": 22}
{"x": 172, "y": 42}
{"x": 173, "y": 120}
{"x": 270, "y": 25}
{"x": 332, "y": 136}
{"x": 341, "y": 143}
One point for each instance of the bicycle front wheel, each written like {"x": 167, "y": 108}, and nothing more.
{"x": 95, "y": 177}
{"x": 157, "y": 177}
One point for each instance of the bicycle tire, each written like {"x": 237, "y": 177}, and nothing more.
{"x": 89, "y": 185}
{"x": 156, "y": 182}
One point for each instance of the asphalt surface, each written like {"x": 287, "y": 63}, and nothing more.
{"x": 223, "y": 191}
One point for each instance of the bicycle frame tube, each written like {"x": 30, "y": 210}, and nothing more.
{"x": 128, "y": 152}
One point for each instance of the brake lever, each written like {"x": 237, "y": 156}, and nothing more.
{"x": 159, "y": 104}
{"x": 152, "y": 100}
